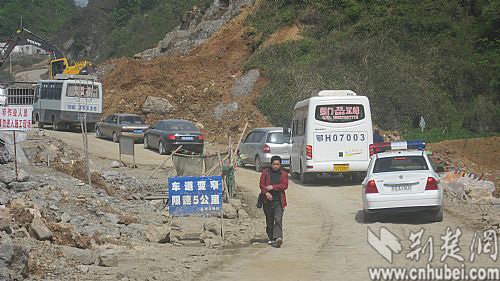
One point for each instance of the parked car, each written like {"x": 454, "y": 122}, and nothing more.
{"x": 121, "y": 124}
{"x": 263, "y": 143}
{"x": 167, "y": 135}
{"x": 400, "y": 178}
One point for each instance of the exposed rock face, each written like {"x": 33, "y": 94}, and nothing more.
{"x": 157, "y": 105}
{"x": 196, "y": 28}
{"x": 246, "y": 83}
{"x": 222, "y": 109}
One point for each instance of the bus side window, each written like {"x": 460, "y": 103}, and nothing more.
{"x": 44, "y": 92}
{"x": 37, "y": 93}
{"x": 57, "y": 91}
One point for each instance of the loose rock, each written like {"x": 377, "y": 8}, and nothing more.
{"x": 229, "y": 211}
{"x": 242, "y": 214}
{"x": 39, "y": 230}
{"x": 86, "y": 257}
{"x": 158, "y": 234}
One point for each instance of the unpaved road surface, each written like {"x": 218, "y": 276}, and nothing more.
{"x": 325, "y": 238}
{"x": 32, "y": 75}
{"x": 106, "y": 148}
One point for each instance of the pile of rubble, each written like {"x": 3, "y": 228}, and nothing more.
{"x": 473, "y": 190}
{"x": 53, "y": 225}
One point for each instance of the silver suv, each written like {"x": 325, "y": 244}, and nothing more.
{"x": 263, "y": 143}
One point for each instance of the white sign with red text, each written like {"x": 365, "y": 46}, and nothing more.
{"x": 15, "y": 118}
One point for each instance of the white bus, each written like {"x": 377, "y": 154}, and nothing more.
{"x": 331, "y": 133}
{"x": 62, "y": 103}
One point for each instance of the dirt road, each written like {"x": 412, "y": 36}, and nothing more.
{"x": 325, "y": 238}
{"x": 32, "y": 75}
{"x": 103, "y": 148}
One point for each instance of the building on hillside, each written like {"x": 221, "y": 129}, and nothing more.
{"x": 26, "y": 50}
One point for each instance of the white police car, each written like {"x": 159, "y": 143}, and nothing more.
{"x": 400, "y": 178}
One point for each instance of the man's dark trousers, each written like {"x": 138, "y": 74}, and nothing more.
{"x": 274, "y": 219}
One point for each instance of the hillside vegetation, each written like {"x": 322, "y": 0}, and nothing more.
{"x": 436, "y": 59}
{"x": 102, "y": 30}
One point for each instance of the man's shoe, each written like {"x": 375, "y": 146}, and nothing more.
{"x": 270, "y": 242}
{"x": 279, "y": 241}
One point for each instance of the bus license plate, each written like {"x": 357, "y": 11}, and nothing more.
{"x": 138, "y": 131}
{"x": 339, "y": 168}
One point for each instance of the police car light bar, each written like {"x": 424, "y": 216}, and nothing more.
{"x": 400, "y": 145}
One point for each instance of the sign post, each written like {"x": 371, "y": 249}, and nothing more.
{"x": 126, "y": 146}
{"x": 15, "y": 118}
{"x": 195, "y": 196}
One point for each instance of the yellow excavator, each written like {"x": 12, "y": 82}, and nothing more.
{"x": 59, "y": 64}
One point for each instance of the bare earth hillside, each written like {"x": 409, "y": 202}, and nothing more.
{"x": 195, "y": 84}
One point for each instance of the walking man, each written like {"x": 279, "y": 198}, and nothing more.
{"x": 273, "y": 183}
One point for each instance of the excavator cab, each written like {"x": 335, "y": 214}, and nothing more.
{"x": 57, "y": 66}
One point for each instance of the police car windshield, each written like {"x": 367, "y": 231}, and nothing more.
{"x": 400, "y": 163}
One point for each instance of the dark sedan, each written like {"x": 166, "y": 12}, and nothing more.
{"x": 167, "y": 135}
{"x": 121, "y": 124}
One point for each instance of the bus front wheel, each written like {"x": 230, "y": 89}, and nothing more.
{"x": 56, "y": 126}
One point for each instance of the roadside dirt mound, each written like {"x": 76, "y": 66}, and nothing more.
{"x": 194, "y": 84}
{"x": 478, "y": 155}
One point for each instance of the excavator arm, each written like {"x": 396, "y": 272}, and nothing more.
{"x": 22, "y": 36}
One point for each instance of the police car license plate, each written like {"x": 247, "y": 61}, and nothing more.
{"x": 339, "y": 168}
{"x": 401, "y": 188}
{"x": 285, "y": 162}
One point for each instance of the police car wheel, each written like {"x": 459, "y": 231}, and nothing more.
{"x": 367, "y": 217}
{"x": 438, "y": 215}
